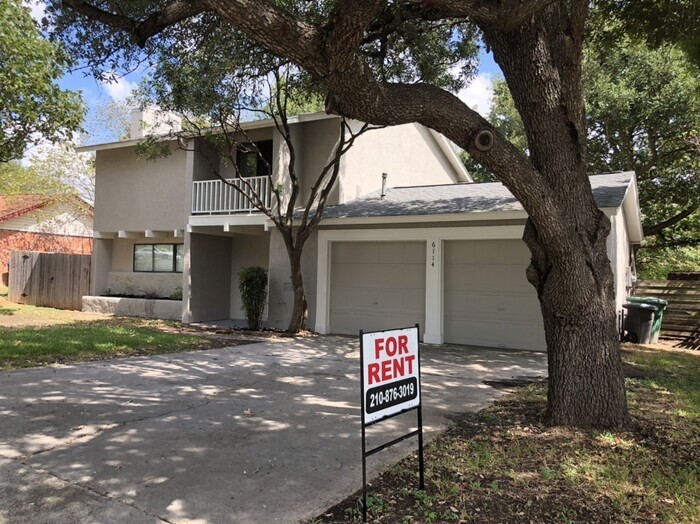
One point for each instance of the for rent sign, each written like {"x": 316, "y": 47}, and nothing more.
{"x": 390, "y": 372}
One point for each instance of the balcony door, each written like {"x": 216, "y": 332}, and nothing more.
{"x": 253, "y": 159}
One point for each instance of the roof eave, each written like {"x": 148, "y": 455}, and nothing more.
{"x": 246, "y": 126}
{"x": 632, "y": 211}
{"x": 468, "y": 216}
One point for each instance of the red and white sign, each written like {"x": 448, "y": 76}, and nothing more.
{"x": 390, "y": 373}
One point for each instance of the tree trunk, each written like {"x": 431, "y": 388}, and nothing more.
{"x": 570, "y": 268}
{"x": 586, "y": 384}
{"x": 300, "y": 312}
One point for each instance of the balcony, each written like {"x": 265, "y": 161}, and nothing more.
{"x": 214, "y": 197}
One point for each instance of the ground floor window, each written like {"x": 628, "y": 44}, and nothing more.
{"x": 159, "y": 258}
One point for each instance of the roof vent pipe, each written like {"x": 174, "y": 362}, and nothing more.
{"x": 384, "y": 175}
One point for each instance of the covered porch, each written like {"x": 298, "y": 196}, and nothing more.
{"x": 215, "y": 255}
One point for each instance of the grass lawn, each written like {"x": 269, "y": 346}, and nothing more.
{"x": 21, "y": 315}
{"x": 92, "y": 340}
{"x": 503, "y": 466}
{"x": 36, "y": 336}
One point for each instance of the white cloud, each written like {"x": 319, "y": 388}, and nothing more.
{"x": 479, "y": 94}
{"x": 119, "y": 89}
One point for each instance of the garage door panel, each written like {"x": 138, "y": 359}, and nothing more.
{"x": 378, "y": 275}
{"x": 376, "y": 285}
{"x": 491, "y": 251}
{"x": 489, "y": 278}
{"x": 347, "y": 323}
{"x": 479, "y": 279}
{"x": 464, "y": 304}
{"x": 394, "y": 299}
{"x": 487, "y": 298}
{"x": 479, "y": 333}
{"x": 378, "y": 252}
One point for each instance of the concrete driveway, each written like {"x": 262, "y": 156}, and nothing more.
{"x": 268, "y": 432}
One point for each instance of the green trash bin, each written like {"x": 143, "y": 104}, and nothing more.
{"x": 659, "y": 305}
{"x": 638, "y": 321}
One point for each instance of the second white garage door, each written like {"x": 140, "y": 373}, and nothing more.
{"x": 487, "y": 298}
{"x": 376, "y": 285}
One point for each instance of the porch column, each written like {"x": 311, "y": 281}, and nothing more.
{"x": 432, "y": 331}
{"x": 322, "y": 284}
{"x": 101, "y": 264}
{"x": 186, "y": 279}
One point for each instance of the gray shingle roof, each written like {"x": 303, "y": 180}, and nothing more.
{"x": 608, "y": 190}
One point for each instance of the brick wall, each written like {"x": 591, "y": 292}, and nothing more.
{"x": 21, "y": 241}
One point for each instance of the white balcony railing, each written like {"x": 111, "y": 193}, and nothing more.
{"x": 210, "y": 197}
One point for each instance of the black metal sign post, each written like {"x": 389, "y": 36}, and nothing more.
{"x": 396, "y": 372}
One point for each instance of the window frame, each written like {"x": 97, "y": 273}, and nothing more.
{"x": 173, "y": 252}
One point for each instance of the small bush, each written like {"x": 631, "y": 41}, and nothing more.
{"x": 176, "y": 294}
{"x": 252, "y": 283}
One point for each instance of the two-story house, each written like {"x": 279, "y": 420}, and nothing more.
{"x": 431, "y": 248}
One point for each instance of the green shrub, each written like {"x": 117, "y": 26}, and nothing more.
{"x": 655, "y": 264}
{"x": 252, "y": 283}
{"x": 176, "y": 294}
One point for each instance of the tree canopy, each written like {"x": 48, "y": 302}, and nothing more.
{"x": 62, "y": 167}
{"x": 643, "y": 110}
{"x": 654, "y": 21}
{"x": 33, "y": 107}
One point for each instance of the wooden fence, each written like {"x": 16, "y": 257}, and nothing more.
{"x": 49, "y": 279}
{"x": 682, "y": 317}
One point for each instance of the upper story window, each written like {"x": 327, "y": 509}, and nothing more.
{"x": 249, "y": 160}
{"x": 159, "y": 258}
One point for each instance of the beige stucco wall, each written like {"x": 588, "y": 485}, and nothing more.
{"x": 133, "y": 194}
{"x": 315, "y": 142}
{"x": 407, "y": 153}
{"x": 281, "y": 294}
{"x": 209, "y": 282}
{"x": 247, "y": 250}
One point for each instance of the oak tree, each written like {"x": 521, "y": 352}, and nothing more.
{"x": 34, "y": 108}
{"x": 344, "y": 46}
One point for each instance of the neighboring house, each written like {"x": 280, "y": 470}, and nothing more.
{"x": 438, "y": 251}
{"x": 53, "y": 223}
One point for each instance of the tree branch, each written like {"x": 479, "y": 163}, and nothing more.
{"x": 280, "y": 32}
{"x": 141, "y": 31}
{"x": 673, "y": 243}
{"x": 657, "y": 228}
{"x": 505, "y": 15}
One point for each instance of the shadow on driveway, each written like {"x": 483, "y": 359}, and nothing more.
{"x": 268, "y": 432}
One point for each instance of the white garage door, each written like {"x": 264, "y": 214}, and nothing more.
{"x": 488, "y": 300}
{"x": 376, "y": 285}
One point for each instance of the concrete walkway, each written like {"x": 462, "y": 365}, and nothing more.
{"x": 263, "y": 433}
